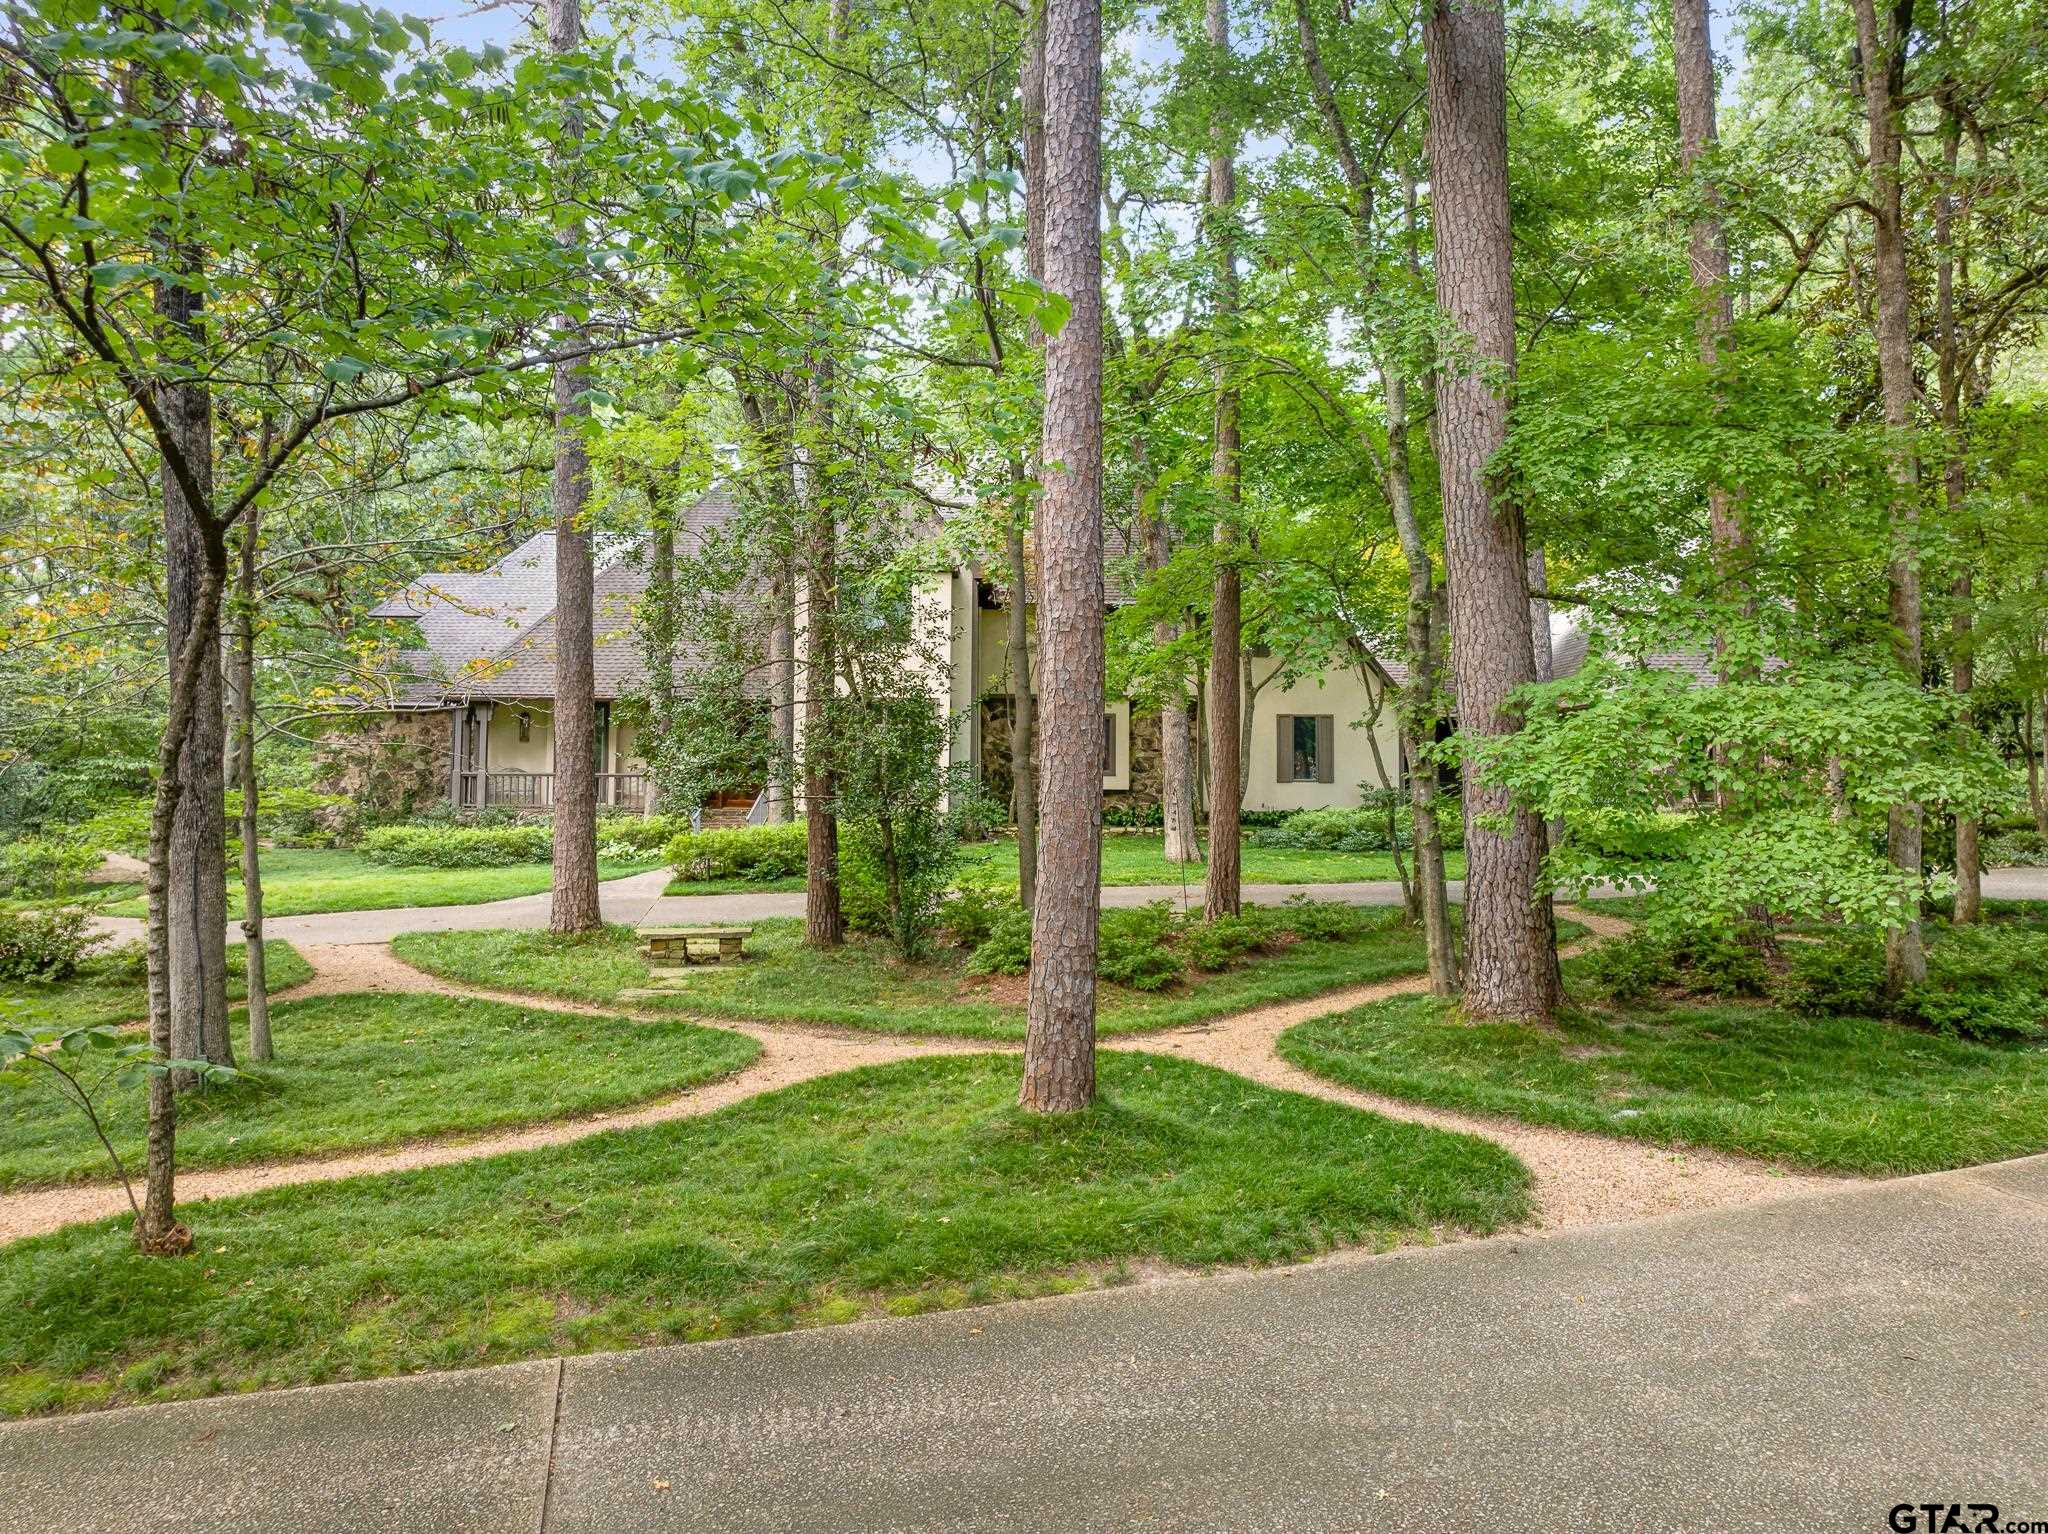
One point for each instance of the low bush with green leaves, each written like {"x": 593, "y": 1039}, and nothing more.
{"x": 2025, "y": 848}
{"x": 45, "y": 944}
{"x": 1150, "y": 947}
{"x": 45, "y": 867}
{"x": 1355, "y": 829}
{"x": 754, "y": 853}
{"x": 635, "y": 838}
{"x": 458, "y": 846}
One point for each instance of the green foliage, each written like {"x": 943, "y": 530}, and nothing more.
{"x": 899, "y": 811}
{"x": 755, "y": 853}
{"x": 458, "y": 846}
{"x": 1655, "y": 958}
{"x": 44, "y": 944}
{"x": 44, "y": 868}
{"x": 1005, "y": 948}
{"x": 628, "y": 838}
{"x": 971, "y": 914}
{"x": 1133, "y": 947}
{"x": 2015, "y": 849}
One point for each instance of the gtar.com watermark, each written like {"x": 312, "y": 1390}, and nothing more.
{"x": 1960, "y": 1518}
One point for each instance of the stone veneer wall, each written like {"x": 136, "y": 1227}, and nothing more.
{"x": 389, "y": 764}
{"x": 996, "y": 716}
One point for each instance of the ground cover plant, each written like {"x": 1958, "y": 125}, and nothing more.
{"x": 1157, "y": 972}
{"x": 308, "y": 882}
{"x": 358, "y": 1071}
{"x": 1799, "y": 1059}
{"x": 892, "y": 1189}
{"x": 1127, "y": 859}
{"x": 108, "y": 986}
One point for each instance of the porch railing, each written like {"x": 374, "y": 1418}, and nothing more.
{"x": 536, "y": 790}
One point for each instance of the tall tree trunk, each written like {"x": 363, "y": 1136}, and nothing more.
{"x": 575, "y": 723}
{"x": 157, "y": 1231}
{"x": 197, "y": 892}
{"x": 1176, "y": 749}
{"x": 824, "y": 923}
{"x": 1222, "y": 890}
{"x": 1539, "y": 615}
{"x": 1023, "y": 774}
{"x": 2037, "y": 792}
{"x": 1969, "y": 903}
{"x": 1510, "y": 953}
{"x": 1059, "y": 1045}
{"x": 782, "y": 680}
{"x": 1707, "y": 250}
{"x": 1883, "y": 58}
{"x": 255, "y": 974}
{"x": 1023, "y": 777}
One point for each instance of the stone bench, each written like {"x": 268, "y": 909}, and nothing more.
{"x": 677, "y": 947}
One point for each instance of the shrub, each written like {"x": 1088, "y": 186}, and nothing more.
{"x": 757, "y": 853}
{"x": 1221, "y": 944}
{"x": 1842, "y": 974}
{"x": 1316, "y": 921}
{"x": 1628, "y": 968}
{"x": 44, "y": 868}
{"x": 44, "y": 944}
{"x": 1132, "y": 949}
{"x": 457, "y": 846}
{"x": 640, "y": 836}
{"x": 2025, "y": 848}
{"x": 1326, "y": 830}
{"x": 971, "y": 915}
{"x": 1134, "y": 815}
{"x": 1007, "y": 948}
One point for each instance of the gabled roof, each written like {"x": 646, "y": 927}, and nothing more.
{"x": 491, "y": 633}
{"x": 1568, "y": 655}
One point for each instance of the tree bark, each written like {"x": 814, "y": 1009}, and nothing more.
{"x": 824, "y": 922}
{"x": 1969, "y": 902}
{"x": 1510, "y": 952}
{"x": 1883, "y": 61}
{"x": 254, "y": 972}
{"x": 1059, "y": 1046}
{"x": 1222, "y": 889}
{"x": 1023, "y": 776}
{"x": 1176, "y": 747}
{"x": 197, "y": 891}
{"x": 1707, "y": 249}
{"x": 575, "y": 723}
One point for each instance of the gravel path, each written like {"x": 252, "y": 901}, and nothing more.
{"x": 1580, "y": 1179}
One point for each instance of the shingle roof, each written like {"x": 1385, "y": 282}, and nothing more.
{"x": 491, "y": 633}
{"x": 1568, "y": 655}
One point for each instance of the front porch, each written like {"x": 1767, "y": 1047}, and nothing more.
{"x": 502, "y": 755}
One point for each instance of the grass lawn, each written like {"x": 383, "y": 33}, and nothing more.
{"x": 308, "y": 882}
{"x": 863, "y": 984}
{"x": 360, "y": 1071}
{"x": 893, "y": 1189}
{"x": 1837, "y": 1094}
{"x": 1137, "y": 858}
{"x": 111, "y": 988}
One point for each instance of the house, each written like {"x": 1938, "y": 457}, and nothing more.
{"x": 471, "y": 702}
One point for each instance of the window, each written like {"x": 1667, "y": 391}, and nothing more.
{"x": 1307, "y": 748}
{"x": 525, "y": 718}
{"x": 1109, "y": 745}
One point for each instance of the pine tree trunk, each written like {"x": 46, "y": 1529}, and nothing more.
{"x": 1059, "y": 1046}
{"x": 575, "y": 722}
{"x": 1222, "y": 891}
{"x": 197, "y": 892}
{"x": 1883, "y": 57}
{"x": 1023, "y": 776}
{"x": 1510, "y": 957}
{"x": 256, "y": 977}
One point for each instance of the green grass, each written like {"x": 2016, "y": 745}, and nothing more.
{"x": 1138, "y": 858}
{"x": 863, "y": 985}
{"x": 1838, "y": 1094}
{"x": 311, "y": 882}
{"x": 111, "y": 989}
{"x": 353, "y": 1072}
{"x": 892, "y": 1189}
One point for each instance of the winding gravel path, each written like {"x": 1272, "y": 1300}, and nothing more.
{"x": 1580, "y": 1179}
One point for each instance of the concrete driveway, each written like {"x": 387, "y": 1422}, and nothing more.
{"x": 1804, "y": 1364}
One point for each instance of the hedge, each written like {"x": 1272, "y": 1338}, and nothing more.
{"x": 758, "y": 853}
{"x": 458, "y": 846}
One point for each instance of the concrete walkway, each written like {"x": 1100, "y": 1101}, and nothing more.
{"x": 1808, "y": 1363}
{"x": 638, "y": 898}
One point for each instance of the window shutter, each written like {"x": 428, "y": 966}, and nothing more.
{"x": 1283, "y": 769}
{"x": 1326, "y": 748}
{"x": 1109, "y": 745}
